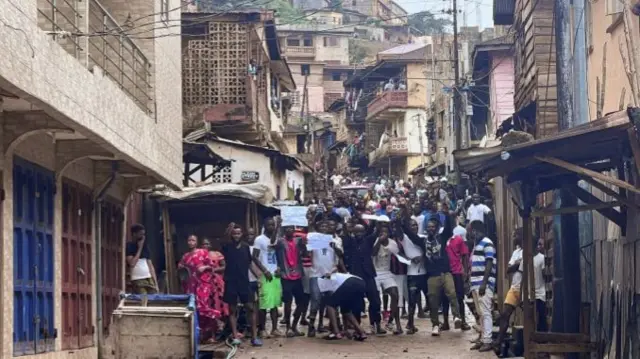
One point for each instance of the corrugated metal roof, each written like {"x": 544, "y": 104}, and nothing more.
{"x": 402, "y": 49}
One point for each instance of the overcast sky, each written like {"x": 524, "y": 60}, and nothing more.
{"x": 483, "y": 17}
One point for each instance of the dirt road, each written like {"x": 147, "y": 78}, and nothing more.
{"x": 453, "y": 344}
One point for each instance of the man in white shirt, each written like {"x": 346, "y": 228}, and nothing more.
{"x": 143, "y": 275}
{"x": 383, "y": 249}
{"x": 513, "y": 297}
{"x": 323, "y": 262}
{"x": 270, "y": 284}
{"x": 413, "y": 245}
{"x": 418, "y": 216}
{"x": 477, "y": 210}
{"x": 540, "y": 289}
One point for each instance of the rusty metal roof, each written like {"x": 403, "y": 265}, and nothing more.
{"x": 591, "y": 144}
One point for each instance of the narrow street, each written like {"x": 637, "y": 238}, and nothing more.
{"x": 453, "y": 344}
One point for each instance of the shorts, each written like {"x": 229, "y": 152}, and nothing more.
{"x": 403, "y": 291}
{"x": 270, "y": 293}
{"x": 513, "y": 297}
{"x": 144, "y": 286}
{"x": 235, "y": 293}
{"x": 253, "y": 290}
{"x": 292, "y": 289}
{"x": 349, "y": 296}
{"x": 385, "y": 281}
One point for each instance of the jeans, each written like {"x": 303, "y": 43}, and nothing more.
{"x": 486, "y": 319}
{"x": 458, "y": 281}
{"x": 541, "y": 311}
{"x": 436, "y": 284}
{"x": 316, "y": 297}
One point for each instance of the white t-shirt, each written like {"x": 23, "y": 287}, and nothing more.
{"x": 516, "y": 279}
{"x": 420, "y": 220}
{"x": 382, "y": 261}
{"x": 477, "y": 212}
{"x": 140, "y": 270}
{"x": 267, "y": 253}
{"x": 324, "y": 260}
{"x": 538, "y": 276}
{"x": 332, "y": 284}
{"x": 252, "y": 278}
{"x": 412, "y": 251}
{"x": 336, "y": 180}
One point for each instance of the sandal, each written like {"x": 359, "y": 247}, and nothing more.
{"x": 360, "y": 337}
{"x": 333, "y": 336}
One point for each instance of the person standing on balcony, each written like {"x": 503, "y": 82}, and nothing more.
{"x": 389, "y": 86}
{"x": 402, "y": 86}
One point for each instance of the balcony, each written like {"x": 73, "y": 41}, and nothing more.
{"x": 300, "y": 51}
{"x": 396, "y": 147}
{"x": 108, "y": 48}
{"x": 386, "y": 103}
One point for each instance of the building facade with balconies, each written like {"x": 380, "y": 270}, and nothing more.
{"x": 394, "y": 92}
{"x": 90, "y": 111}
{"x": 235, "y": 77}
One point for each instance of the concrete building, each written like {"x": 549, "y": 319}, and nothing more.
{"x": 86, "y": 119}
{"x": 395, "y": 117}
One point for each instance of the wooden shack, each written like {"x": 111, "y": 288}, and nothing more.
{"x": 610, "y": 282}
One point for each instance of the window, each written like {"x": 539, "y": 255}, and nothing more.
{"x": 293, "y": 41}
{"x": 335, "y": 76}
{"x": 305, "y": 69}
{"x": 614, "y": 6}
{"x": 330, "y": 41}
{"x": 164, "y": 11}
{"x": 307, "y": 41}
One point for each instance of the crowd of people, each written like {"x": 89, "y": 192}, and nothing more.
{"x": 392, "y": 246}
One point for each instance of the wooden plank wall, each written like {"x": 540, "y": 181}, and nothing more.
{"x": 535, "y": 60}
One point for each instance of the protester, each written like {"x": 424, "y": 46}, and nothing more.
{"x": 483, "y": 281}
{"x": 236, "y": 277}
{"x": 345, "y": 292}
{"x": 270, "y": 284}
{"x": 458, "y": 254}
{"x": 383, "y": 250}
{"x": 477, "y": 210}
{"x": 290, "y": 251}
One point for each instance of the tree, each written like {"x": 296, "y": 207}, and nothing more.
{"x": 284, "y": 11}
{"x": 427, "y": 23}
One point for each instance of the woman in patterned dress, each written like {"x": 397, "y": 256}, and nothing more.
{"x": 217, "y": 279}
{"x": 201, "y": 272}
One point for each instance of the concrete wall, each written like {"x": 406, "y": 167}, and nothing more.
{"x": 417, "y": 85}
{"x": 37, "y": 68}
{"x": 338, "y": 53}
{"x": 40, "y": 149}
{"x": 604, "y": 28}
{"x": 295, "y": 180}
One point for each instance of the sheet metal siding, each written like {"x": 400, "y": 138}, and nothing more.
{"x": 33, "y": 194}
{"x": 111, "y": 252}
{"x": 77, "y": 241}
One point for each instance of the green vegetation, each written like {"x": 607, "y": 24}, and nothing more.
{"x": 428, "y": 23}
{"x": 357, "y": 53}
{"x": 285, "y": 12}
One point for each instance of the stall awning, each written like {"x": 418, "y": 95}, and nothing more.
{"x": 590, "y": 145}
{"x": 257, "y": 192}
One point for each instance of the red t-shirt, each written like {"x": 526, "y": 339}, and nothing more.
{"x": 456, "y": 248}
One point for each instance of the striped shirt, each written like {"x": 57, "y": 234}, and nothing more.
{"x": 481, "y": 252}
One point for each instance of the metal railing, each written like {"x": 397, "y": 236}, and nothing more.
{"x": 59, "y": 17}
{"x": 118, "y": 56}
{"x": 396, "y": 146}
{"x": 107, "y": 47}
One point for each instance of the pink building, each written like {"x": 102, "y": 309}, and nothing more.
{"x": 491, "y": 97}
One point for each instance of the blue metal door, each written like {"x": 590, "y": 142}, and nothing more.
{"x": 33, "y": 194}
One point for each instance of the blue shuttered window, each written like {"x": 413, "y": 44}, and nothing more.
{"x": 33, "y": 272}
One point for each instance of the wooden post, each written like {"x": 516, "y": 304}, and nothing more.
{"x": 169, "y": 259}
{"x": 527, "y": 281}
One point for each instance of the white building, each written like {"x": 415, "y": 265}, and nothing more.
{"x": 85, "y": 120}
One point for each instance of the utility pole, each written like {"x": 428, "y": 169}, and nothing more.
{"x": 567, "y": 246}
{"x": 304, "y": 116}
{"x": 457, "y": 122}
{"x": 420, "y": 138}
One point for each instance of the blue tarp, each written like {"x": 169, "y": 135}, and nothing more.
{"x": 174, "y": 297}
